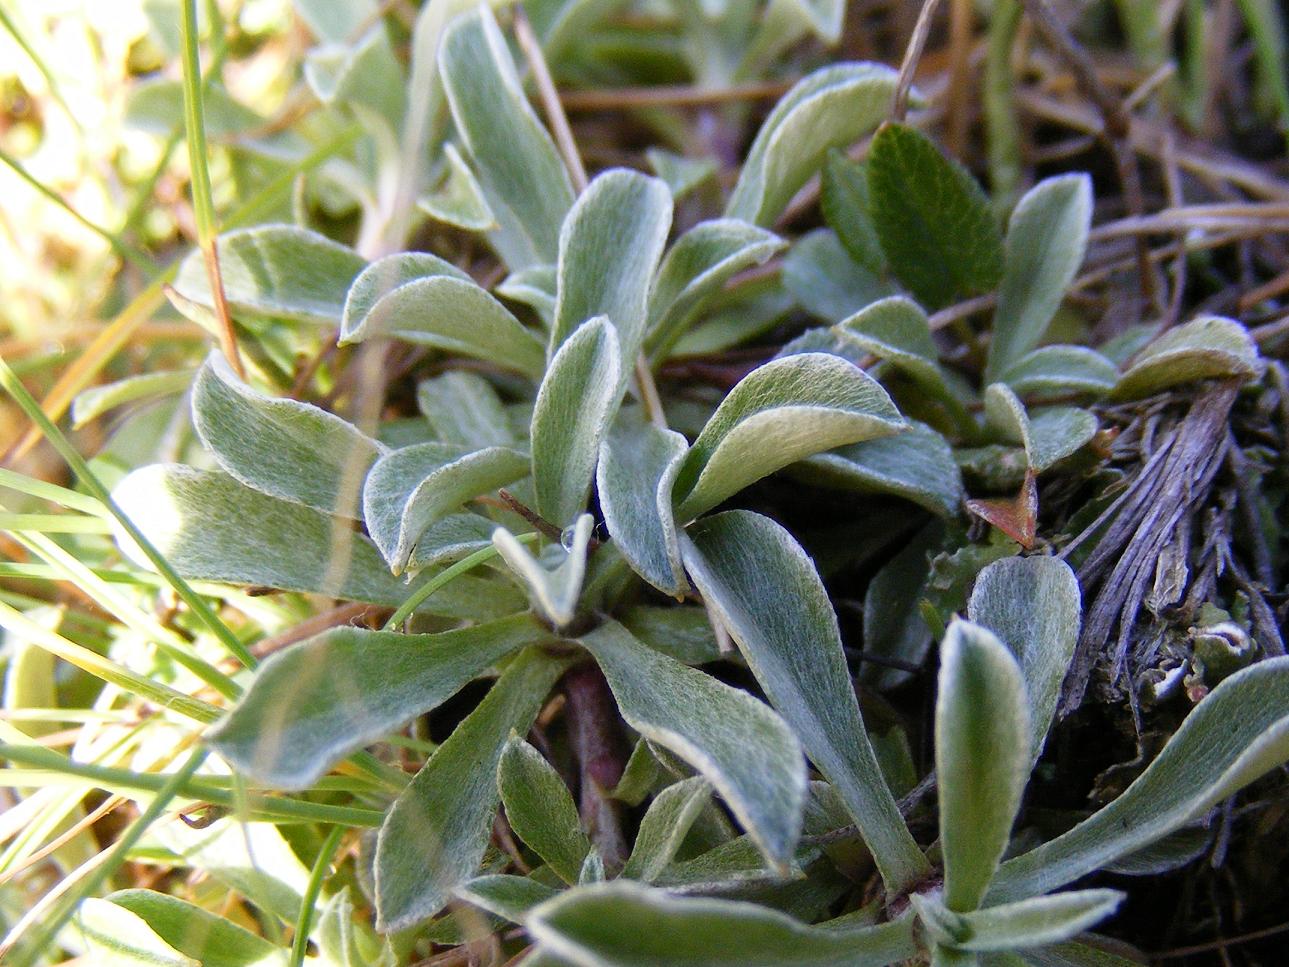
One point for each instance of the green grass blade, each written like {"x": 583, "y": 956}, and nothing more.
{"x": 68, "y": 452}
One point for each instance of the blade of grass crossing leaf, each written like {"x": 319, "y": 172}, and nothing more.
{"x": 77, "y": 463}
{"x": 106, "y": 669}
{"x": 417, "y": 597}
{"x": 43, "y": 938}
{"x": 203, "y": 205}
{"x": 32, "y": 487}
{"x": 253, "y": 806}
{"x": 129, "y": 614}
{"x": 321, "y": 866}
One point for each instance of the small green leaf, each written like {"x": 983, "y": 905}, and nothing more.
{"x": 413, "y": 488}
{"x": 701, "y": 261}
{"x": 211, "y": 940}
{"x": 554, "y": 582}
{"x": 781, "y": 412}
{"x": 845, "y": 203}
{"x": 540, "y": 809}
{"x": 520, "y": 172}
{"x": 437, "y": 830}
{"x": 768, "y": 595}
{"x": 1049, "y": 436}
{"x": 1209, "y": 347}
{"x": 662, "y": 831}
{"x": 1060, "y": 370}
{"x": 625, "y": 924}
{"x": 533, "y": 286}
{"x": 453, "y": 315}
{"x": 1032, "y": 604}
{"x": 1038, "y": 921}
{"x": 609, "y": 247}
{"x": 281, "y": 447}
{"x": 897, "y": 330}
{"x": 276, "y": 271}
{"x": 314, "y": 703}
{"x": 935, "y": 224}
{"x": 682, "y": 175}
{"x": 510, "y": 897}
{"x": 832, "y": 107}
{"x": 1238, "y": 732}
{"x": 212, "y": 528}
{"x": 574, "y": 406}
{"x": 826, "y": 281}
{"x": 634, "y": 480}
{"x": 462, "y": 407}
{"x": 458, "y": 199}
{"x": 917, "y": 464}
{"x": 737, "y": 742}
{"x": 97, "y": 400}
{"x": 1046, "y": 240}
{"x": 982, "y": 758}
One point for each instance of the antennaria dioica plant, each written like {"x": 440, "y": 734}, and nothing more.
{"x": 582, "y": 695}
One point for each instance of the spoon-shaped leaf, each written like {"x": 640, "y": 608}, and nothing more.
{"x": 696, "y": 267}
{"x": 609, "y": 247}
{"x": 383, "y": 276}
{"x": 1032, "y": 604}
{"x": 276, "y": 271}
{"x": 454, "y": 315}
{"x": 779, "y": 413}
{"x": 743, "y": 748}
{"x": 917, "y": 464}
{"x": 833, "y": 107}
{"x": 281, "y": 447}
{"x": 981, "y": 757}
{"x": 212, "y": 528}
{"x": 1060, "y": 370}
{"x": 634, "y": 479}
{"x": 540, "y": 809}
{"x": 312, "y": 704}
{"x": 574, "y": 407}
{"x": 624, "y": 924}
{"x": 458, "y": 199}
{"x": 1238, "y": 732}
{"x": 768, "y": 595}
{"x": 1046, "y": 239}
{"x": 520, "y": 172}
{"x": 438, "y": 828}
{"x": 1208, "y": 347}
{"x": 413, "y": 488}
